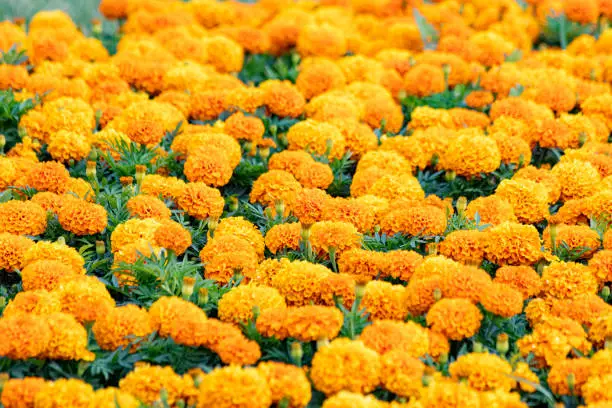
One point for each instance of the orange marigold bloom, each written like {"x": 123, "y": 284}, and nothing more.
{"x": 241, "y": 127}
{"x": 218, "y": 388}
{"x": 312, "y": 323}
{"x": 201, "y": 201}
{"x": 479, "y": 99}
{"x": 107, "y": 397}
{"x": 456, "y": 319}
{"x": 322, "y": 40}
{"x": 145, "y": 206}
{"x": 529, "y": 199}
{"x": 271, "y": 323}
{"x": 363, "y": 265}
{"x": 171, "y": 315}
{"x": 48, "y": 176}
{"x": 22, "y": 218}
{"x": 173, "y": 236}
{"x": 584, "y": 12}
{"x": 283, "y": 99}
{"x": 81, "y": 217}
{"x": 392, "y": 186}
{"x": 12, "y": 251}
{"x": 283, "y": 237}
{"x": 563, "y": 280}
{"x": 601, "y": 265}
{"x": 419, "y": 220}
{"x": 317, "y": 76}
{"x": 64, "y": 393}
{"x": 601, "y": 330}
{"x": 512, "y": 244}
{"x": 314, "y": 175}
{"x": 579, "y": 238}
{"x": 522, "y": 278}
{"x": 286, "y": 382}
{"x": 471, "y": 155}
{"x": 468, "y": 282}
{"x": 48, "y": 201}
{"x": 382, "y": 300}
{"x": 208, "y": 164}
{"x": 65, "y": 145}
{"x": 85, "y": 297}
{"x": 53, "y": 251}
{"x": 483, "y": 371}
{"x": 558, "y": 380}
{"x": 299, "y": 282}
{"x": 327, "y": 236}
{"x": 242, "y": 228}
{"x": 116, "y": 328}
{"x": 384, "y": 336}
{"x": 585, "y": 309}
{"x": 402, "y": 374}
{"x": 544, "y": 177}
{"x": 309, "y": 205}
{"x": 502, "y": 300}
{"x": 513, "y": 149}
{"x": 400, "y": 264}
{"x": 464, "y": 246}
{"x": 345, "y": 365}
{"x": 237, "y": 305}
{"x": 350, "y": 399}
{"x": 24, "y": 336}
{"x": 318, "y": 137}
{"x": 38, "y": 302}
{"x": 424, "y": 80}
{"x": 68, "y": 339}
{"x": 224, "y": 266}
{"x": 146, "y": 383}
{"x": 578, "y": 179}
{"x": 224, "y": 54}
{"x": 145, "y": 131}
{"x": 21, "y": 392}
{"x": 274, "y": 186}
{"x": 208, "y": 104}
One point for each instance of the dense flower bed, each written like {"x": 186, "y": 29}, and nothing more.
{"x": 336, "y": 203}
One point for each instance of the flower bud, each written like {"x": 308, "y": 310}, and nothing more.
{"x": 571, "y": 382}
{"x": 233, "y": 205}
{"x": 126, "y": 181}
{"x": 437, "y": 294}
{"x": 188, "y": 285}
{"x": 605, "y": 293}
{"x": 279, "y": 206}
{"x": 264, "y": 152}
{"x": 450, "y": 175}
{"x": 61, "y": 240}
{"x": 202, "y": 296}
{"x": 296, "y": 353}
{"x": 90, "y": 171}
{"x": 140, "y": 173}
{"x": 100, "y": 247}
{"x": 478, "y": 347}
{"x": 2, "y": 143}
{"x": 502, "y": 344}
{"x": 443, "y": 359}
{"x": 461, "y": 205}
{"x": 212, "y": 225}
{"x": 322, "y": 343}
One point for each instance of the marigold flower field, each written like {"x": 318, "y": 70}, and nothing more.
{"x": 300, "y": 203}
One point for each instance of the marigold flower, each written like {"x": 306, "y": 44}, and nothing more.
{"x": 238, "y": 304}
{"x": 464, "y": 246}
{"x": 218, "y": 388}
{"x": 145, "y": 206}
{"x": 502, "y": 300}
{"x": 46, "y": 274}
{"x": 146, "y": 383}
{"x": 468, "y": 282}
{"x": 322, "y": 40}
{"x": 350, "y": 399}
{"x": 22, "y": 218}
{"x": 522, "y": 278}
{"x": 85, "y": 297}
{"x": 107, "y": 397}
{"x": 208, "y": 104}
{"x": 82, "y": 218}
{"x": 313, "y": 323}
{"x": 48, "y": 251}
{"x": 483, "y": 371}
{"x": 529, "y": 199}
{"x": 24, "y": 336}
{"x": 334, "y": 236}
{"x": 578, "y": 179}
{"x": 601, "y": 265}
{"x": 242, "y": 228}
{"x": 271, "y": 323}
{"x": 224, "y": 54}
{"x": 601, "y": 330}
{"x": 201, "y": 201}
{"x": 48, "y": 176}
{"x": 172, "y": 236}
{"x": 283, "y": 99}
{"x": 586, "y": 308}
{"x": 345, "y": 365}
{"x": 132, "y": 231}
{"x": 21, "y": 392}
{"x": 38, "y": 302}
{"x": 224, "y": 266}
{"x": 400, "y": 264}
{"x": 455, "y": 318}
{"x": 397, "y": 186}
{"x": 65, "y": 145}
{"x": 578, "y": 238}
{"x": 319, "y": 137}
{"x": 309, "y": 205}
{"x": 286, "y": 382}
{"x": 317, "y": 76}
{"x": 402, "y": 374}
{"x": 299, "y": 282}
{"x": 70, "y": 392}
{"x": 382, "y": 300}
{"x": 68, "y": 339}
{"x": 512, "y": 244}
{"x": 12, "y": 251}
{"x": 418, "y": 220}
{"x": 241, "y": 127}
{"x": 424, "y": 80}
{"x": 558, "y": 377}
{"x": 471, "y": 155}
{"x": 479, "y": 99}
{"x": 568, "y": 279}
{"x": 384, "y": 336}
{"x": 273, "y": 186}
{"x": 116, "y": 328}
{"x": 283, "y": 237}
{"x": 208, "y": 164}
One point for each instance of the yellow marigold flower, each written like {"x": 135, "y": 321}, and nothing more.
{"x": 597, "y": 390}
{"x": 12, "y": 251}
{"x": 82, "y": 218}
{"x": 543, "y": 177}
{"x": 224, "y": 54}
{"x": 207, "y": 105}
{"x": 479, "y": 99}
{"x": 397, "y": 186}
{"x": 384, "y": 336}
{"x": 224, "y": 266}
{"x": 48, "y": 251}
{"x": 286, "y": 382}
{"x": 46, "y": 274}
{"x": 363, "y": 265}
{"x": 168, "y": 311}
{"x": 218, "y": 388}
{"x": 332, "y": 236}
{"x": 313, "y": 323}
{"x": 48, "y": 201}
{"x": 513, "y": 149}
{"x": 382, "y": 300}
{"x": 21, "y": 392}
{"x": 337, "y": 287}
{"x": 116, "y": 328}
{"x": 241, "y": 127}
{"x": 146, "y": 383}
{"x": 201, "y": 201}
{"x": 455, "y": 318}
{"x": 309, "y": 205}
{"x": 502, "y": 300}
{"x": 225, "y": 244}
{"x": 246, "y": 99}
{"x": 314, "y": 175}
{"x": 438, "y": 345}
{"x": 483, "y": 371}
{"x": 568, "y": 279}
{"x": 80, "y": 188}
{"x": 335, "y": 105}
{"x": 559, "y": 382}
{"x": 465, "y": 246}
{"x": 242, "y": 228}
{"x": 537, "y": 310}
{"x": 38, "y": 302}
{"x": 402, "y": 374}
{"x": 237, "y": 305}
{"x": 468, "y": 282}
{"x": 345, "y": 365}
{"x": 24, "y": 336}
{"x": 299, "y": 282}
{"x": 383, "y": 112}
{"x": 167, "y": 187}
{"x": 319, "y": 75}
{"x": 424, "y": 80}
{"x": 359, "y": 137}
{"x": 172, "y": 236}
{"x": 345, "y": 399}
{"x": 68, "y": 339}
{"x": 512, "y": 244}
{"x": 601, "y": 329}
{"x": 48, "y": 176}
{"x": 85, "y": 297}
{"x": 522, "y": 278}
{"x": 289, "y": 160}
{"x": 529, "y": 199}
{"x": 319, "y": 137}
{"x": 283, "y": 99}
{"x": 208, "y": 164}
{"x": 601, "y": 265}
{"x": 111, "y": 396}
{"x": 599, "y": 204}
{"x": 417, "y": 220}
{"x": 579, "y": 238}
{"x": 274, "y": 186}
{"x": 283, "y": 237}
{"x": 65, "y": 145}
{"x": 323, "y": 40}
{"x": 145, "y": 131}
{"x": 523, "y": 371}
{"x": 400, "y": 264}
{"x": 578, "y": 179}
{"x": 271, "y": 323}
{"x": 584, "y": 309}
{"x": 471, "y": 155}
{"x": 424, "y": 117}
{"x": 22, "y": 218}
{"x": 132, "y": 231}
{"x": 601, "y": 363}
{"x": 65, "y": 393}
{"x": 448, "y": 392}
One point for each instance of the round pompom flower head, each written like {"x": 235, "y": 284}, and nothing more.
{"x": 286, "y": 382}
{"x": 456, "y": 319}
{"x": 81, "y": 217}
{"x": 218, "y": 389}
{"x": 121, "y": 326}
